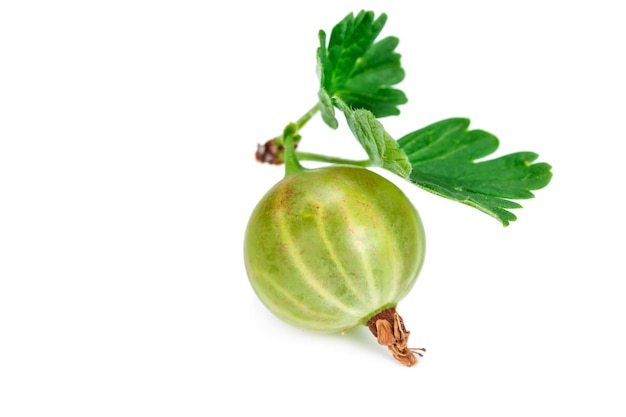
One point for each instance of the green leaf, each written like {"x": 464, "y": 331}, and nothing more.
{"x": 358, "y": 70}
{"x": 327, "y": 109}
{"x": 443, "y": 159}
{"x": 381, "y": 148}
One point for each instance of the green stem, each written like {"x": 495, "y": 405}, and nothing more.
{"x": 292, "y": 158}
{"x": 279, "y": 140}
{"x": 307, "y": 156}
{"x": 292, "y": 165}
{"x": 307, "y": 116}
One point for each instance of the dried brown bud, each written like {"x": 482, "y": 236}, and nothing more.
{"x": 270, "y": 153}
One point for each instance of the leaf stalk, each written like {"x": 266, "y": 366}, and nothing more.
{"x": 308, "y": 156}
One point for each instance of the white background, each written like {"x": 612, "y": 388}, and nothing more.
{"x": 127, "y": 134}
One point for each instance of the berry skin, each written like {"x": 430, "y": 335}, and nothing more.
{"x": 327, "y": 249}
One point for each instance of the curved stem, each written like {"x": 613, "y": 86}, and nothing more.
{"x": 308, "y": 156}
{"x": 292, "y": 165}
{"x": 307, "y": 116}
{"x": 280, "y": 140}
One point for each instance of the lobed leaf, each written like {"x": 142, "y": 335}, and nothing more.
{"x": 359, "y": 70}
{"x": 443, "y": 159}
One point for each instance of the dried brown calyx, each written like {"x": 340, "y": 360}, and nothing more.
{"x": 388, "y": 328}
{"x": 270, "y": 152}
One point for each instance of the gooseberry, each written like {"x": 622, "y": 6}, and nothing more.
{"x": 333, "y": 248}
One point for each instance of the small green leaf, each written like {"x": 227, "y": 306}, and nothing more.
{"x": 359, "y": 70}
{"x": 382, "y": 149}
{"x": 327, "y": 109}
{"x": 443, "y": 156}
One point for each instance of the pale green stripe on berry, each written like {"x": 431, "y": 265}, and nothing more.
{"x": 307, "y": 276}
{"x": 332, "y": 252}
{"x": 396, "y": 254}
{"x": 374, "y": 294}
{"x": 305, "y": 312}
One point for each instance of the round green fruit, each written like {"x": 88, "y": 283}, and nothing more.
{"x": 328, "y": 249}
